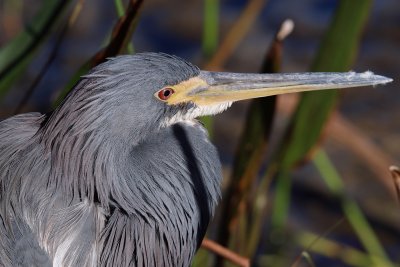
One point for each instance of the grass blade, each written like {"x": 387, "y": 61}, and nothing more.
{"x": 337, "y": 53}
{"x": 16, "y": 55}
{"x": 331, "y": 249}
{"x": 120, "y": 37}
{"x": 210, "y": 27}
{"x": 210, "y": 44}
{"x": 119, "y": 7}
{"x": 53, "y": 54}
{"x": 351, "y": 210}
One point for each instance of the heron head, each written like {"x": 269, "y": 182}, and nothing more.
{"x": 131, "y": 92}
{"x": 141, "y": 93}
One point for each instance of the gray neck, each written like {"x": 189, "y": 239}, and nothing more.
{"x": 152, "y": 193}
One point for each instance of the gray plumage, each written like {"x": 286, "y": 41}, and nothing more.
{"x": 121, "y": 173}
{"x": 100, "y": 181}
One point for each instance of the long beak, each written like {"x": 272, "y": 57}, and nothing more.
{"x": 218, "y": 87}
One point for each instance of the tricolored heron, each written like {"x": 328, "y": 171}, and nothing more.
{"x": 121, "y": 173}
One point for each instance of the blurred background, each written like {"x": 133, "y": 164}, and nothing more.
{"x": 307, "y": 180}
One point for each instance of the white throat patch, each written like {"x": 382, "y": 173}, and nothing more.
{"x": 196, "y": 112}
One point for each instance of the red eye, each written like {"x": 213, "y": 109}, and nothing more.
{"x": 165, "y": 93}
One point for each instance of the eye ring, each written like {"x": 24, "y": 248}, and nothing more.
{"x": 165, "y": 93}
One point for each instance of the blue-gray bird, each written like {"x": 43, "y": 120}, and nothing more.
{"x": 121, "y": 173}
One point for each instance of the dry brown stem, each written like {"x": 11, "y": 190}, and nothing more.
{"x": 396, "y": 179}
{"x": 236, "y": 34}
{"x": 225, "y": 253}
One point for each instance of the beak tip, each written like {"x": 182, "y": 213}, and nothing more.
{"x": 386, "y": 80}
{"x": 376, "y": 79}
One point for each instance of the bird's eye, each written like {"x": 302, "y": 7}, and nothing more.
{"x": 165, "y": 93}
